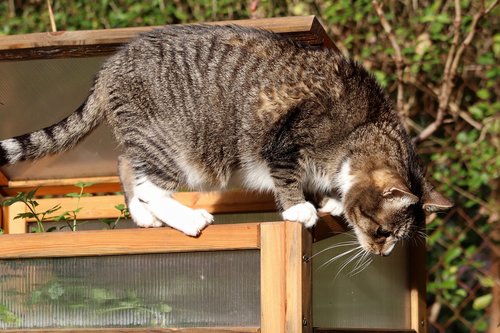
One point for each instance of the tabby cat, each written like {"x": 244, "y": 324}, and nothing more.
{"x": 201, "y": 105}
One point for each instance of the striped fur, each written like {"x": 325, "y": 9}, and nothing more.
{"x": 199, "y": 105}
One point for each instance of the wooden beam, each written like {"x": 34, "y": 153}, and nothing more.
{"x": 361, "y": 330}
{"x": 4, "y": 181}
{"x": 306, "y": 29}
{"x": 97, "y": 207}
{"x": 418, "y": 277}
{"x": 128, "y": 241}
{"x": 298, "y": 243}
{"x": 11, "y": 225}
{"x": 328, "y": 226}
{"x": 62, "y": 186}
{"x": 272, "y": 278}
{"x": 102, "y": 207}
{"x": 140, "y": 330}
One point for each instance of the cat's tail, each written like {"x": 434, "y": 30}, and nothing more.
{"x": 55, "y": 138}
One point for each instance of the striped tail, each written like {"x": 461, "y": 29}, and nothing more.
{"x": 55, "y": 138}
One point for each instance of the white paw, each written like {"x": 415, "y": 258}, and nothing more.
{"x": 332, "y": 206}
{"x": 195, "y": 221}
{"x": 141, "y": 215}
{"x": 304, "y": 213}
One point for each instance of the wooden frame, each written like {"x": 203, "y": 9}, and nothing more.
{"x": 285, "y": 276}
{"x": 285, "y": 247}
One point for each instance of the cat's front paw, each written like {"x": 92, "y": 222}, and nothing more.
{"x": 304, "y": 213}
{"x": 195, "y": 221}
{"x": 332, "y": 206}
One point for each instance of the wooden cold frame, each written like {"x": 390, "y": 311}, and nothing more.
{"x": 285, "y": 276}
{"x": 284, "y": 246}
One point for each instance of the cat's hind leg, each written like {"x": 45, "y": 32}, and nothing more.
{"x": 137, "y": 209}
{"x": 151, "y": 205}
{"x": 171, "y": 212}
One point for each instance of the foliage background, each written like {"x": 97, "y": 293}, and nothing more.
{"x": 408, "y": 55}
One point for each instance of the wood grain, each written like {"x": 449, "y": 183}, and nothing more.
{"x": 3, "y": 179}
{"x": 272, "y": 278}
{"x": 361, "y": 330}
{"x": 10, "y": 224}
{"x": 418, "y": 279}
{"x": 306, "y": 29}
{"x": 103, "y": 207}
{"x": 293, "y": 263}
{"x": 141, "y": 330}
{"x": 128, "y": 241}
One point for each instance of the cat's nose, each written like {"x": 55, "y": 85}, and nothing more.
{"x": 387, "y": 251}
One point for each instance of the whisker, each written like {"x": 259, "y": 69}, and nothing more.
{"x": 329, "y": 261}
{"x": 367, "y": 263}
{"x": 346, "y": 243}
{"x": 348, "y": 261}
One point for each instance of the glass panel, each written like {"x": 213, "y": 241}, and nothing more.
{"x": 160, "y": 290}
{"x": 376, "y": 297}
{"x": 38, "y": 93}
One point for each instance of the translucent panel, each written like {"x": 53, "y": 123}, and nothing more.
{"x": 376, "y": 297}
{"x": 159, "y": 290}
{"x": 38, "y": 93}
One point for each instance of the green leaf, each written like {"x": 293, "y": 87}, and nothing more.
{"x": 84, "y": 184}
{"x": 452, "y": 254}
{"x": 482, "y": 302}
{"x": 483, "y": 94}
{"x": 28, "y": 215}
{"x": 120, "y": 207}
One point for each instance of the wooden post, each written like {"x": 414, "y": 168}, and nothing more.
{"x": 418, "y": 276}
{"x": 285, "y": 278}
{"x": 10, "y": 225}
{"x": 272, "y": 277}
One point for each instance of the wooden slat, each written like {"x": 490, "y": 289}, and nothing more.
{"x": 102, "y": 207}
{"x": 3, "y": 179}
{"x": 128, "y": 241}
{"x": 361, "y": 330}
{"x": 105, "y": 41}
{"x": 10, "y": 224}
{"x": 60, "y": 182}
{"x": 418, "y": 277}
{"x": 298, "y": 243}
{"x": 234, "y": 201}
{"x": 328, "y": 226}
{"x": 272, "y": 278}
{"x": 97, "y": 207}
{"x": 61, "y": 186}
{"x": 141, "y": 330}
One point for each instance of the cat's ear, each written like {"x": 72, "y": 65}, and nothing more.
{"x": 433, "y": 201}
{"x": 400, "y": 194}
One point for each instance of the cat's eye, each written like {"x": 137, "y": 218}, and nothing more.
{"x": 381, "y": 232}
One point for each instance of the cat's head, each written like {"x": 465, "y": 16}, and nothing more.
{"x": 382, "y": 210}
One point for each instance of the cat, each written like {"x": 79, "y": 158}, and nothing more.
{"x": 200, "y": 105}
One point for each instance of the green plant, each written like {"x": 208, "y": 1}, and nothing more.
{"x": 8, "y": 317}
{"x": 31, "y": 204}
{"x": 71, "y": 294}
{"x": 124, "y": 214}
{"x": 70, "y": 217}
